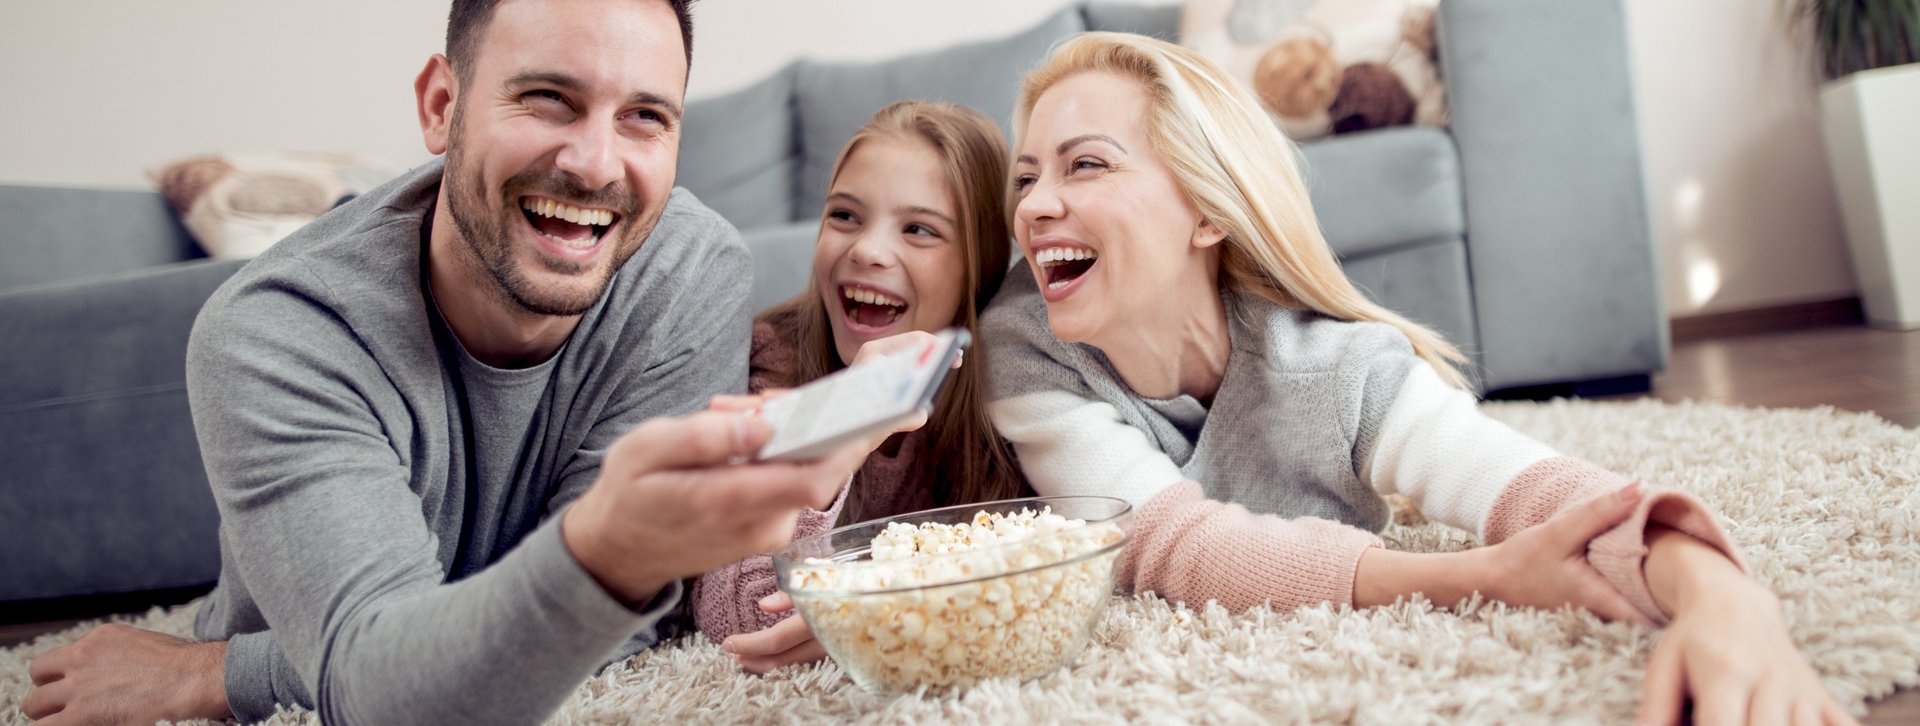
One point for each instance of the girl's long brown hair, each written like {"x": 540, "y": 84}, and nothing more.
{"x": 966, "y": 462}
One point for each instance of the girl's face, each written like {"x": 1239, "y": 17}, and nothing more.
{"x": 889, "y": 260}
{"x": 1109, "y": 234}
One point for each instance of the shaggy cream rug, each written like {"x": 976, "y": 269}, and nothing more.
{"x": 1825, "y": 504}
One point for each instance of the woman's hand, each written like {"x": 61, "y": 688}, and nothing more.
{"x": 1546, "y": 566}
{"x": 1727, "y": 646}
{"x": 784, "y": 643}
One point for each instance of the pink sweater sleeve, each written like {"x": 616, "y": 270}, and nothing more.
{"x": 1560, "y": 483}
{"x": 727, "y": 601}
{"x": 1193, "y": 549}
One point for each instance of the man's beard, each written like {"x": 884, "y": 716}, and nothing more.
{"x": 488, "y": 235}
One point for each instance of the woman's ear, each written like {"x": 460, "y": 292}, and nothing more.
{"x": 435, "y": 92}
{"x": 1207, "y": 234}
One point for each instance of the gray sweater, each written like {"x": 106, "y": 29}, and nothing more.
{"x": 388, "y": 534}
{"x": 1299, "y": 409}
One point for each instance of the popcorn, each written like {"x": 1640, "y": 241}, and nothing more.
{"x": 947, "y": 605}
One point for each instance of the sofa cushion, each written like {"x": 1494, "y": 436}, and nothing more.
{"x": 834, "y": 98}
{"x": 737, "y": 152}
{"x": 1378, "y": 190}
{"x": 1157, "y": 21}
{"x": 124, "y": 230}
{"x": 782, "y": 260}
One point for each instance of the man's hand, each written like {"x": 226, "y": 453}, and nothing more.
{"x": 121, "y": 674}
{"x": 675, "y": 498}
{"x": 782, "y": 644}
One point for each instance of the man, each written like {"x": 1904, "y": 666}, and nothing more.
{"x": 422, "y": 416}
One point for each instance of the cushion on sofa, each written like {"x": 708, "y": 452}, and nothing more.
{"x": 782, "y": 260}
{"x": 1157, "y": 21}
{"x": 1381, "y": 189}
{"x": 834, "y": 98}
{"x": 55, "y": 234}
{"x": 737, "y": 152}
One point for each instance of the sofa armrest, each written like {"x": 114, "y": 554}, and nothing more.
{"x": 1565, "y": 277}
{"x": 104, "y": 488}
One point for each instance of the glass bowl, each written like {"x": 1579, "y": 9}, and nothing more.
{"x": 1017, "y": 608}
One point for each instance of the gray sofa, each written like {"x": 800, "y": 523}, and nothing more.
{"x": 1521, "y": 232}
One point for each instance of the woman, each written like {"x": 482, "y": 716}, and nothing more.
{"x": 1183, "y": 337}
{"x": 912, "y": 240}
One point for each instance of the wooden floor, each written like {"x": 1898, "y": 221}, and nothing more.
{"x": 1850, "y": 367}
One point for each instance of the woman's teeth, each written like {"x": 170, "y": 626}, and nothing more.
{"x": 1063, "y": 265}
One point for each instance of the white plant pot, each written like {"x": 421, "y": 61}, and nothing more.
{"x": 1871, "y": 121}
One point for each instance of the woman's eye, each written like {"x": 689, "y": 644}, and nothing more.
{"x": 1020, "y": 183}
{"x": 1084, "y": 163}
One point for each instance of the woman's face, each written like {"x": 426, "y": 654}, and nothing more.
{"x": 1109, "y": 234}
{"x": 889, "y": 258}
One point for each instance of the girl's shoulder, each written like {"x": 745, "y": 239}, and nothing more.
{"x": 774, "y": 358}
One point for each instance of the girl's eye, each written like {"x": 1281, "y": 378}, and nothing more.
{"x": 921, "y": 229}
{"x": 840, "y": 215}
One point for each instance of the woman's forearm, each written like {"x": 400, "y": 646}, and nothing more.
{"x": 1681, "y": 570}
{"x": 1384, "y": 576}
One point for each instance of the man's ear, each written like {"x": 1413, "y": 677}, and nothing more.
{"x": 436, "y": 92}
{"x": 1207, "y": 234}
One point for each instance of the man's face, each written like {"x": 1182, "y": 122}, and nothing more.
{"x": 563, "y": 141}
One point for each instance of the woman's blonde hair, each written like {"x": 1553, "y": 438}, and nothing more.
{"x": 965, "y": 461}
{"x": 1239, "y": 170}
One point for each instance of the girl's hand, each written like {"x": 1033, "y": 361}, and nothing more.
{"x": 784, "y": 643}
{"x": 1727, "y": 646}
{"x": 910, "y": 340}
{"x": 1546, "y": 566}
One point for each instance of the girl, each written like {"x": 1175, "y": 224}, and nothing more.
{"x": 1183, "y": 337}
{"x": 913, "y": 239}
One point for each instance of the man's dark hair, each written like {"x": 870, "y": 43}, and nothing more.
{"x": 468, "y": 19}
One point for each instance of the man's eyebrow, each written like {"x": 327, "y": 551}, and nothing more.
{"x": 562, "y": 80}
{"x": 646, "y": 98}
{"x": 1061, "y": 150}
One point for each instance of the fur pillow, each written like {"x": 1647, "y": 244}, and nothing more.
{"x": 238, "y": 205}
{"x": 1326, "y": 66}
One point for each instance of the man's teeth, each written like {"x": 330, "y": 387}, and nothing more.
{"x": 1055, "y": 255}
{"x": 576, "y": 215}
{"x": 870, "y": 297}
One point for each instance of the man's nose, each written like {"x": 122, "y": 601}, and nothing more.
{"x": 592, "y": 153}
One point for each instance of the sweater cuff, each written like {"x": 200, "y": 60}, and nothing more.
{"x": 1193, "y": 549}
{"x": 585, "y": 602}
{"x": 249, "y": 676}
{"x": 1620, "y": 553}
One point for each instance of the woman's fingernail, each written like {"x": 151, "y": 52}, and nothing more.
{"x": 768, "y": 600}
{"x": 1630, "y": 493}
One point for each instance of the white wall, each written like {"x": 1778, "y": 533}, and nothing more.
{"x": 97, "y": 91}
{"x": 1742, "y": 201}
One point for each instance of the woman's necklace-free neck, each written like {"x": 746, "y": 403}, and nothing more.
{"x": 1170, "y": 350}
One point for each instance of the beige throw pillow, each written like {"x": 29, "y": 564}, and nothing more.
{"x": 239, "y": 204}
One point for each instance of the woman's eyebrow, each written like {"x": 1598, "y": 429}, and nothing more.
{"x": 1064, "y": 146}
